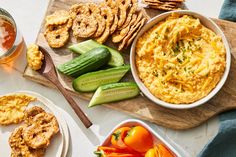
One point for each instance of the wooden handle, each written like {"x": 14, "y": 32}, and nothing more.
{"x": 73, "y": 104}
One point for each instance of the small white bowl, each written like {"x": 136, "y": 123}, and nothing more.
{"x": 206, "y": 22}
{"x": 134, "y": 122}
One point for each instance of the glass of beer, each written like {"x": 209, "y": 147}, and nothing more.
{"x": 11, "y": 41}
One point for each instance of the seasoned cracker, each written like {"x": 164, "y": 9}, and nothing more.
{"x": 104, "y": 36}
{"x": 114, "y": 8}
{"x": 39, "y": 133}
{"x": 107, "y": 14}
{"x": 57, "y": 18}
{"x": 113, "y": 5}
{"x": 66, "y": 26}
{"x": 166, "y": 0}
{"x": 29, "y": 114}
{"x": 123, "y": 6}
{"x": 163, "y": 1}
{"x": 57, "y": 35}
{"x": 164, "y": 8}
{"x": 79, "y": 9}
{"x": 20, "y": 148}
{"x": 84, "y": 26}
{"x": 133, "y": 30}
{"x": 159, "y": 3}
{"x": 56, "y": 38}
{"x": 101, "y": 22}
{"x": 132, "y": 10}
{"x": 120, "y": 34}
{"x": 69, "y": 24}
{"x": 139, "y": 18}
{"x": 136, "y": 32}
{"x": 166, "y": 5}
{"x": 114, "y": 24}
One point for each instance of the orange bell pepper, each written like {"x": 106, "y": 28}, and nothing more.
{"x": 123, "y": 155}
{"x": 158, "y": 151}
{"x": 103, "y": 151}
{"x": 117, "y": 138}
{"x": 109, "y": 149}
{"x": 163, "y": 151}
{"x": 139, "y": 139}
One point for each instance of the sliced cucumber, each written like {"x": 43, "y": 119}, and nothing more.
{"x": 85, "y": 46}
{"x": 91, "y": 81}
{"x": 87, "y": 62}
{"x": 114, "y": 92}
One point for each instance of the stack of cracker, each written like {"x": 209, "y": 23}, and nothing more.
{"x": 119, "y": 19}
{"x": 57, "y": 26}
{"x": 166, "y": 5}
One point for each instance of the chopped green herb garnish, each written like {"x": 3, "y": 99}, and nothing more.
{"x": 190, "y": 44}
{"x": 98, "y": 153}
{"x": 179, "y": 60}
{"x": 155, "y": 73}
{"x": 157, "y": 35}
{"x": 176, "y": 49}
{"x": 164, "y": 72}
{"x": 185, "y": 69}
{"x": 188, "y": 47}
{"x": 117, "y": 135}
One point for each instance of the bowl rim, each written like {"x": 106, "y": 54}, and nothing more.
{"x": 146, "y": 91}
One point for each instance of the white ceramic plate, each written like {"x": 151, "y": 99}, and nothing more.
{"x": 134, "y": 122}
{"x": 206, "y": 22}
{"x": 60, "y": 142}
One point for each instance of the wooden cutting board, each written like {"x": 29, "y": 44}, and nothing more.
{"x": 140, "y": 106}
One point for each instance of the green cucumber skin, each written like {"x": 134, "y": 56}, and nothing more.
{"x": 83, "y": 47}
{"x": 87, "y": 62}
{"x": 98, "y": 78}
{"x": 114, "y": 92}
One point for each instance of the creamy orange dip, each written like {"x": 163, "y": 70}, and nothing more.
{"x": 12, "y": 108}
{"x": 179, "y": 60}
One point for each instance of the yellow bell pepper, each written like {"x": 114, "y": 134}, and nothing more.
{"x": 151, "y": 153}
{"x": 158, "y": 151}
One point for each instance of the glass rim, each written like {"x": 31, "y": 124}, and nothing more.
{"x": 6, "y": 14}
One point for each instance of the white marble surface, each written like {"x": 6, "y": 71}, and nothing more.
{"x": 29, "y": 15}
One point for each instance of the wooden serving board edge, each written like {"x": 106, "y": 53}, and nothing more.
{"x": 157, "y": 121}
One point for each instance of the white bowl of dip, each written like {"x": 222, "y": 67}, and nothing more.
{"x": 207, "y": 22}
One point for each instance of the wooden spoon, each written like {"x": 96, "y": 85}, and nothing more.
{"x": 48, "y": 71}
